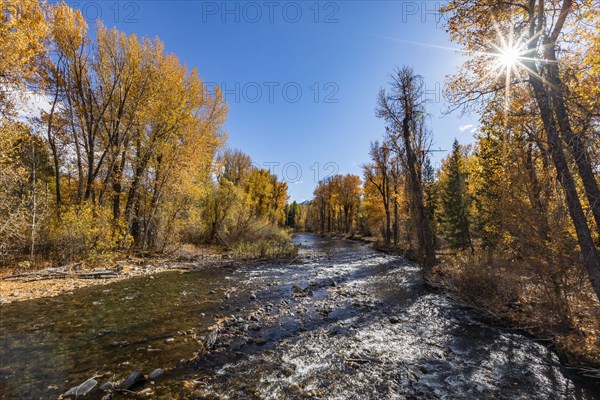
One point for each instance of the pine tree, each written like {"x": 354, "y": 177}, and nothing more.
{"x": 488, "y": 194}
{"x": 431, "y": 191}
{"x": 456, "y": 221}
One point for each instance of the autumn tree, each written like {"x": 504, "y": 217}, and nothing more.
{"x": 235, "y": 166}
{"x": 245, "y": 203}
{"x": 124, "y": 153}
{"x": 538, "y": 29}
{"x": 24, "y": 174}
{"x": 378, "y": 175}
{"x": 336, "y": 204}
{"x": 23, "y": 35}
{"x": 403, "y": 110}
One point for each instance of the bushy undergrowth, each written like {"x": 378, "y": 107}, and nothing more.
{"x": 85, "y": 233}
{"x": 263, "y": 249}
{"x": 557, "y": 306}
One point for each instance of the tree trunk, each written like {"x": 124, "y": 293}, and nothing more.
{"x": 396, "y": 217}
{"x": 574, "y": 142}
{"x": 424, "y": 234}
{"x": 590, "y": 257}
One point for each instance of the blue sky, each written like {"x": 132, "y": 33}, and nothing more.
{"x": 302, "y": 77}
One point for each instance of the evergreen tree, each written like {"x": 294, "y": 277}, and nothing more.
{"x": 431, "y": 191}
{"x": 456, "y": 221}
{"x": 488, "y": 193}
{"x": 293, "y": 213}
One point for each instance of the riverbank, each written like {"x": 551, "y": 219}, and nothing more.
{"x": 18, "y": 284}
{"x": 576, "y": 340}
{"x": 342, "y": 321}
{"x": 498, "y": 299}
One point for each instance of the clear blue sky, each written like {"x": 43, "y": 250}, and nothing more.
{"x": 338, "y": 54}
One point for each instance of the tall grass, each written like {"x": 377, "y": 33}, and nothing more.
{"x": 263, "y": 249}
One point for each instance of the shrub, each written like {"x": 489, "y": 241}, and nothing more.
{"x": 85, "y": 232}
{"x": 263, "y": 249}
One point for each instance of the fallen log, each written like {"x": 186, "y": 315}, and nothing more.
{"x": 39, "y": 278}
{"x": 32, "y": 277}
{"x": 96, "y": 274}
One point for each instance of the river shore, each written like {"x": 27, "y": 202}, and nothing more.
{"x": 17, "y": 284}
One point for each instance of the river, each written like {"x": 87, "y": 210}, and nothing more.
{"x": 342, "y": 322}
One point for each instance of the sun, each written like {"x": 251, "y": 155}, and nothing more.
{"x": 509, "y": 57}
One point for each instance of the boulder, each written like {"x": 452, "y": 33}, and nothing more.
{"x": 82, "y": 390}
{"x": 107, "y": 386}
{"x": 156, "y": 373}
{"x": 133, "y": 379}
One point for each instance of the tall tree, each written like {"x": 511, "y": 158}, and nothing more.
{"x": 23, "y": 35}
{"x": 538, "y": 29}
{"x": 403, "y": 110}
{"x": 455, "y": 216}
{"x": 377, "y": 174}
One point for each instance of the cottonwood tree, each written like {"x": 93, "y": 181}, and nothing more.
{"x": 23, "y": 35}
{"x": 521, "y": 47}
{"x": 403, "y": 110}
{"x": 336, "y": 204}
{"x": 378, "y": 175}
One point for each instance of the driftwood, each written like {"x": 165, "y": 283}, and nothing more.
{"x": 97, "y": 274}
{"x": 38, "y": 273}
{"x": 46, "y": 275}
{"x": 39, "y": 278}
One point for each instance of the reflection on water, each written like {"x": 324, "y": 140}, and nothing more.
{"x": 343, "y": 322}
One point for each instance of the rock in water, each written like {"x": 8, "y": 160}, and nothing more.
{"x": 82, "y": 390}
{"x": 254, "y": 327}
{"x": 211, "y": 340}
{"x": 134, "y": 378}
{"x": 156, "y": 373}
{"x": 107, "y": 386}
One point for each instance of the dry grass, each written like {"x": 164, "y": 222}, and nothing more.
{"x": 564, "y": 311}
{"x": 264, "y": 250}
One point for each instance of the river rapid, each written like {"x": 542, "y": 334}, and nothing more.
{"x": 343, "y": 321}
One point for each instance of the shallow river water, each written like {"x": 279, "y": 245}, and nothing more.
{"x": 342, "y": 322}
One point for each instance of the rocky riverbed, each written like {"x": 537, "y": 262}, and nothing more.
{"x": 343, "y": 321}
